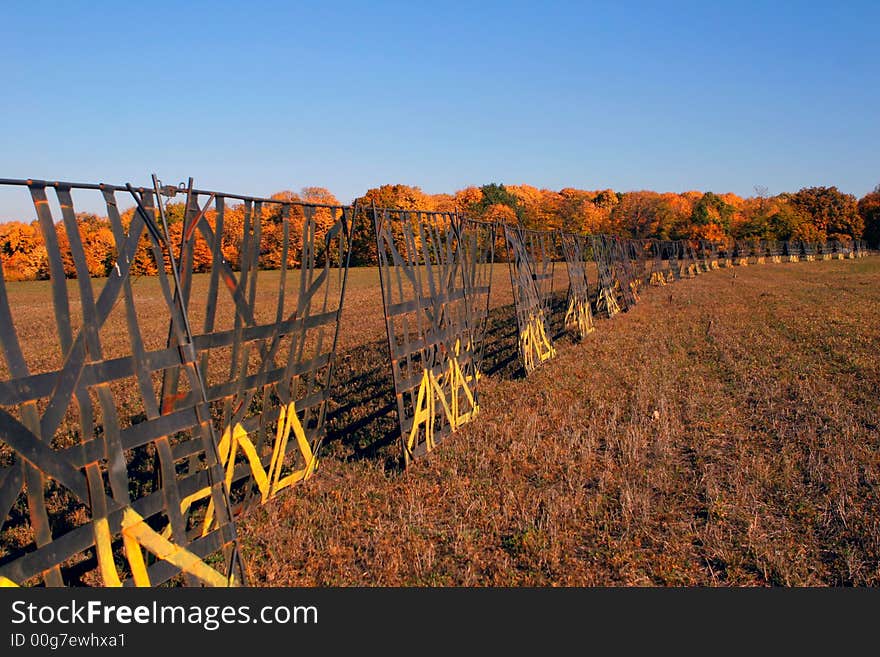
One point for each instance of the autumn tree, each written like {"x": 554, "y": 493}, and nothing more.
{"x": 272, "y": 231}
{"x": 673, "y": 214}
{"x": 500, "y": 213}
{"x": 23, "y": 252}
{"x": 175, "y": 212}
{"x": 831, "y": 212}
{"x": 495, "y": 194}
{"x": 713, "y": 212}
{"x": 580, "y": 213}
{"x": 289, "y": 214}
{"x": 444, "y": 203}
{"x": 540, "y": 207}
{"x": 325, "y": 217}
{"x": 98, "y": 243}
{"x": 402, "y": 197}
{"x": 607, "y": 198}
{"x": 143, "y": 263}
{"x": 64, "y": 247}
{"x": 637, "y": 214}
{"x": 201, "y": 252}
{"x": 467, "y": 199}
{"x": 808, "y": 232}
{"x": 869, "y": 211}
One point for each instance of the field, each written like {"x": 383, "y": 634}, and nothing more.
{"x": 724, "y": 431}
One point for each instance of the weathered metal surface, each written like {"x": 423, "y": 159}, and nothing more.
{"x": 92, "y": 489}
{"x": 535, "y": 345}
{"x": 435, "y": 271}
{"x": 269, "y": 321}
{"x": 578, "y": 316}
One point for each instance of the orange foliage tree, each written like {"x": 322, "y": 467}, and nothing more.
{"x": 869, "y": 211}
{"x": 23, "y": 252}
{"x": 833, "y": 213}
{"x": 582, "y": 211}
{"x": 637, "y": 214}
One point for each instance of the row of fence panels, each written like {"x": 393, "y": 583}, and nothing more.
{"x": 143, "y": 406}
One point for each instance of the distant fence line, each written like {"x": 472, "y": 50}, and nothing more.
{"x": 131, "y": 469}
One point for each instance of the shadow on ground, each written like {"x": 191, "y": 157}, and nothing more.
{"x": 362, "y": 421}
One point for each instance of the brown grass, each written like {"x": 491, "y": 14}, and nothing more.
{"x": 722, "y": 432}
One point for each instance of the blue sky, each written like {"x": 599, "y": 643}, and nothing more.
{"x": 257, "y": 97}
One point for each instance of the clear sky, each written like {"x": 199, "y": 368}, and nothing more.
{"x": 256, "y": 97}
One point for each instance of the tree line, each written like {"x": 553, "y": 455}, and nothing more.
{"x": 812, "y": 214}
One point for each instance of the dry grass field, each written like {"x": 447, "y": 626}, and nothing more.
{"x": 724, "y": 431}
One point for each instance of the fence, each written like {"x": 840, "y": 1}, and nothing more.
{"x": 128, "y": 465}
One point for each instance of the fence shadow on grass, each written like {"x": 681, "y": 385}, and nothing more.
{"x": 362, "y": 420}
